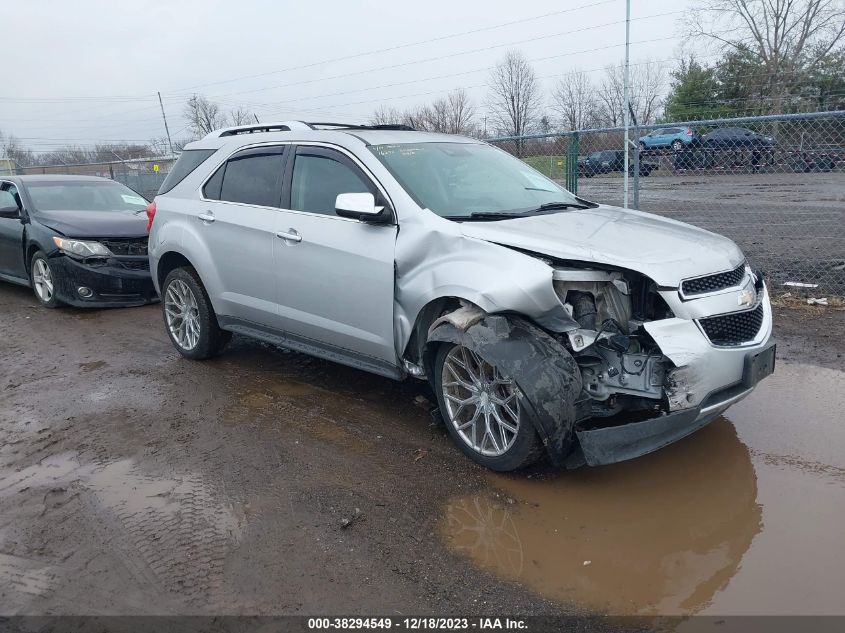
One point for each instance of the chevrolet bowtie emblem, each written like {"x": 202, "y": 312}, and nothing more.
{"x": 745, "y": 298}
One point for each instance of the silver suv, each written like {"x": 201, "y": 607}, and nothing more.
{"x": 545, "y": 324}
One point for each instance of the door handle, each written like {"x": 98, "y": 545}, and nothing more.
{"x": 207, "y": 217}
{"x": 290, "y": 235}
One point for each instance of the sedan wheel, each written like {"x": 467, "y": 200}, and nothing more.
{"x": 481, "y": 404}
{"x": 42, "y": 278}
{"x": 677, "y": 145}
{"x": 43, "y": 281}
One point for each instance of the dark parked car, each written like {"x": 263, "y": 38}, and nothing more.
{"x": 736, "y": 138}
{"x": 608, "y": 161}
{"x": 75, "y": 240}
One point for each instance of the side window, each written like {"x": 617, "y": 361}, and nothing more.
{"x": 253, "y": 176}
{"x": 319, "y": 176}
{"x": 7, "y": 199}
{"x": 211, "y": 190}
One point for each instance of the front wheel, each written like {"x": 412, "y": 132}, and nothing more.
{"x": 43, "y": 281}
{"x": 189, "y": 316}
{"x": 482, "y": 411}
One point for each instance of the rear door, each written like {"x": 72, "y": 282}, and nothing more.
{"x": 238, "y": 225}
{"x": 335, "y": 275}
{"x": 11, "y": 233}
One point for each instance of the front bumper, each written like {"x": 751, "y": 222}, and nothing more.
{"x": 707, "y": 378}
{"x": 619, "y": 443}
{"x": 112, "y": 284}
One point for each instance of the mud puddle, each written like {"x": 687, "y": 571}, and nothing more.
{"x": 744, "y": 517}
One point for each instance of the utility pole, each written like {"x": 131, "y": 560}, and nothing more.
{"x": 166, "y": 129}
{"x": 627, "y": 105}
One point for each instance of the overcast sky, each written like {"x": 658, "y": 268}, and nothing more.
{"x": 88, "y": 70}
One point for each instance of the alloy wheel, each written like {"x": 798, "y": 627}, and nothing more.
{"x": 182, "y": 314}
{"x": 42, "y": 279}
{"x": 481, "y": 403}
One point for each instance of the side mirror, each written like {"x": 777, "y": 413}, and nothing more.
{"x": 360, "y": 206}
{"x": 12, "y": 213}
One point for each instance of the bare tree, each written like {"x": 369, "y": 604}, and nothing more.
{"x": 459, "y": 113}
{"x": 646, "y": 83}
{"x": 786, "y": 35}
{"x": 514, "y": 98}
{"x": 239, "y": 116}
{"x": 203, "y": 116}
{"x": 12, "y": 149}
{"x": 574, "y": 100}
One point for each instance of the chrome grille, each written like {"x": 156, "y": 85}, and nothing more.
{"x": 712, "y": 283}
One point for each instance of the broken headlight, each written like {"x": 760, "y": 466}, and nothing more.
{"x": 81, "y": 248}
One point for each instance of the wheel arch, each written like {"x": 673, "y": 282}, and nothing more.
{"x": 546, "y": 374}
{"x": 170, "y": 261}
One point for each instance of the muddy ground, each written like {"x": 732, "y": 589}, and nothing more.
{"x": 133, "y": 481}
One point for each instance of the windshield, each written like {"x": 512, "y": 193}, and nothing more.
{"x": 84, "y": 196}
{"x": 458, "y": 179}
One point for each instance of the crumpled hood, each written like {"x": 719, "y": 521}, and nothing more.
{"x": 95, "y": 223}
{"x": 664, "y": 250}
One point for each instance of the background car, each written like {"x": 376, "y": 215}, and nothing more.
{"x": 675, "y": 137}
{"x": 608, "y": 161}
{"x": 77, "y": 240}
{"x": 736, "y": 138}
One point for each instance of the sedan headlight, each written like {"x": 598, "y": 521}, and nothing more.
{"x": 81, "y": 248}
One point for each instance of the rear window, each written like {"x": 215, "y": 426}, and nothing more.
{"x": 188, "y": 162}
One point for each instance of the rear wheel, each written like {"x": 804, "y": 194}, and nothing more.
{"x": 43, "y": 281}
{"x": 482, "y": 411}
{"x": 189, "y": 316}
{"x": 677, "y": 145}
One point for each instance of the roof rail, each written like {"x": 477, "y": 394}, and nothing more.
{"x": 352, "y": 126}
{"x": 283, "y": 126}
{"x": 290, "y": 126}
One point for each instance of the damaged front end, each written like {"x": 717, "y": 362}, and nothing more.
{"x": 651, "y": 368}
{"x": 637, "y": 367}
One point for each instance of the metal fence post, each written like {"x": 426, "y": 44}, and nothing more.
{"x": 636, "y": 201}
{"x": 572, "y": 164}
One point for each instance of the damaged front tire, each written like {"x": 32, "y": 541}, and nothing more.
{"x": 482, "y": 412}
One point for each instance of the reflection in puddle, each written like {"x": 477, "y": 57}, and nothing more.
{"x": 657, "y": 535}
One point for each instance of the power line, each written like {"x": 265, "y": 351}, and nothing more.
{"x": 397, "y": 47}
{"x": 441, "y": 57}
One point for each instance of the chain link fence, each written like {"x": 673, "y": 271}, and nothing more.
{"x": 143, "y": 175}
{"x": 773, "y": 184}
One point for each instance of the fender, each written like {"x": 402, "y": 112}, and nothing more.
{"x": 546, "y": 375}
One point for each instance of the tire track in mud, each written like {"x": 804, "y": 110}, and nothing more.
{"x": 176, "y": 526}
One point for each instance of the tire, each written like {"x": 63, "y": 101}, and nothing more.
{"x": 642, "y": 147}
{"x": 198, "y": 336}
{"x": 43, "y": 280}
{"x": 677, "y": 145}
{"x": 500, "y": 450}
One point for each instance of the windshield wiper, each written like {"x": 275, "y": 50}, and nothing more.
{"x": 551, "y": 206}
{"x": 489, "y": 215}
{"x": 505, "y": 215}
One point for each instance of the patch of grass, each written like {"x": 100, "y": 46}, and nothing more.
{"x": 553, "y": 166}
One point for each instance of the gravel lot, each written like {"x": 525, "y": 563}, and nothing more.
{"x": 266, "y": 482}
{"x": 792, "y": 224}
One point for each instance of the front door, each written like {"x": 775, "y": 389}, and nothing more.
{"x": 12, "y": 262}
{"x": 335, "y": 275}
